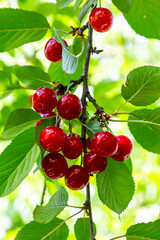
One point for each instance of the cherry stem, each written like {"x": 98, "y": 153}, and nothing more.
{"x": 118, "y": 237}
{"x": 43, "y": 192}
{"x": 83, "y": 119}
{"x": 135, "y": 121}
{"x": 61, "y": 224}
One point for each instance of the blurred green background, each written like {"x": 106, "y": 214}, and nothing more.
{"x": 123, "y": 50}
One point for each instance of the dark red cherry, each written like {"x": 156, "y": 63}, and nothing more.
{"x": 93, "y": 163}
{"x": 124, "y": 148}
{"x": 53, "y": 139}
{"x": 53, "y": 50}
{"x": 101, "y": 19}
{"x": 72, "y": 148}
{"x": 54, "y": 165}
{"x": 45, "y": 115}
{"x": 76, "y": 177}
{"x": 89, "y": 144}
{"x": 105, "y": 144}
{"x": 69, "y": 106}
{"x": 44, "y": 100}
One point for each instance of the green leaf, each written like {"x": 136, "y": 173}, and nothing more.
{"x": 19, "y": 27}
{"x": 144, "y": 231}
{"x": 58, "y": 75}
{"x": 33, "y": 77}
{"x": 128, "y": 163}
{"x": 93, "y": 126}
{"x": 69, "y": 61}
{"x": 123, "y": 5}
{"x": 142, "y": 86}
{"x": 55, "y": 230}
{"x": 145, "y": 128}
{"x": 144, "y": 17}
{"x": 17, "y": 160}
{"x": 115, "y": 186}
{"x": 82, "y": 229}
{"x": 88, "y": 6}
{"x": 77, "y": 3}
{"x": 63, "y": 3}
{"x": 56, "y": 204}
{"x": 18, "y": 121}
{"x": 6, "y": 85}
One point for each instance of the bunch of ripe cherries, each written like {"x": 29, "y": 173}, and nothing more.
{"x": 53, "y": 139}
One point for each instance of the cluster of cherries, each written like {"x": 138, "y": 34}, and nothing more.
{"x": 53, "y": 139}
{"x": 100, "y": 19}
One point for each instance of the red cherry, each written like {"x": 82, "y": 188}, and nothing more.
{"x": 72, "y": 148}
{"x": 89, "y": 144}
{"x": 53, "y": 139}
{"x": 54, "y": 165}
{"x": 53, "y": 50}
{"x": 69, "y": 106}
{"x": 44, "y": 100}
{"x": 105, "y": 144}
{"x": 76, "y": 177}
{"x": 45, "y": 115}
{"x": 124, "y": 148}
{"x": 93, "y": 163}
{"x": 101, "y": 19}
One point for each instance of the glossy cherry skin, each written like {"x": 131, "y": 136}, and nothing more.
{"x": 44, "y": 100}
{"x": 124, "y": 148}
{"x": 53, "y": 139}
{"x": 105, "y": 144}
{"x": 54, "y": 165}
{"x": 93, "y": 163}
{"x": 89, "y": 144}
{"x": 76, "y": 177}
{"x": 53, "y": 50}
{"x": 69, "y": 106}
{"x": 72, "y": 148}
{"x": 101, "y": 19}
{"x": 45, "y": 115}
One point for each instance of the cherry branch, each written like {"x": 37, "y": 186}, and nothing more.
{"x": 83, "y": 121}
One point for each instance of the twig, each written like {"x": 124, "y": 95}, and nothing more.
{"x": 117, "y": 237}
{"x": 43, "y": 193}
{"x": 61, "y": 224}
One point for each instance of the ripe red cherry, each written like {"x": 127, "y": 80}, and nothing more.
{"x": 48, "y": 115}
{"x": 53, "y": 139}
{"x": 54, "y": 165}
{"x": 76, "y": 177}
{"x": 105, "y": 144}
{"x": 69, "y": 106}
{"x": 89, "y": 144}
{"x": 124, "y": 148}
{"x": 101, "y": 19}
{"x": 72, "y": 148}
{"x": 53, "y": 50}
{"x": 44, "y": 100}
{"x": 93, "y": 163}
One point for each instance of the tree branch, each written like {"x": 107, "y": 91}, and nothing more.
{"x": 83, "y": 121}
